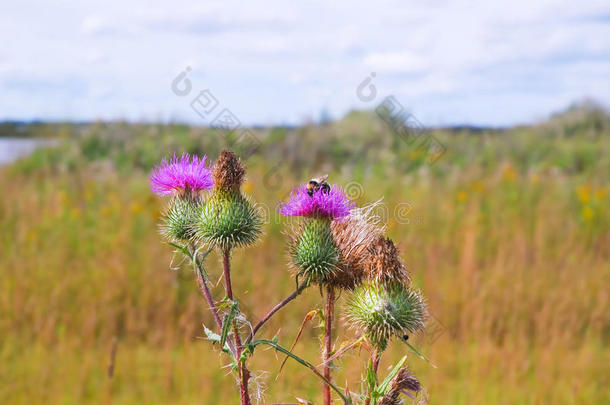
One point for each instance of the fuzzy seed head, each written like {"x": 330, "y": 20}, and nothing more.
{"x": 353, "y": 236}
{"x": 228, "y": 220}
{"x": 385, "y": 265}
{"x": 381, "y": 312}
{"x": 313, "y": 250}
{"x": 228, "y": 173}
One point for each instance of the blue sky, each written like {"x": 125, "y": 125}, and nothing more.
{"x": 449, "y": 62}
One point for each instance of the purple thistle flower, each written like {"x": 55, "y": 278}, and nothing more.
{"x": 332, "y": 204}
{"x": 180, "y": 176}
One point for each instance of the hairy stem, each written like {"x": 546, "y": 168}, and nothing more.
{"x": 203, "y": 285}
{"x": 329, "y": 308}
{"x": 244, "y": 373}
{"x": 276, "y": 308}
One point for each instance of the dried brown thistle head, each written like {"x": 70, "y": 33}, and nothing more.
{"x": 354, "y": 236}
{"x": 403, "y": 383}
{"x": 228, "y": 173}
{"x": 405, "y": 380}
{"x": 384, "y": 264}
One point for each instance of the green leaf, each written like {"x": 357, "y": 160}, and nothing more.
{"x": 198, "y": 263}
{"x": 181, "y": 249}
{"x": 206, "y": 253}
{"x": 226, "y": 322}
{"x": 382, "y": 389}
{"x": 305, "y": 363}
{"x": 215, "y": 338}
{"x": 419, "y": 354}
{"x": 371, "y": 377}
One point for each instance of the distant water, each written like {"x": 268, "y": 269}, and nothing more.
{"x": 12, "y": 149}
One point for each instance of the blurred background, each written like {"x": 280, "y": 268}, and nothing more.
{"x": 484, "y": 128}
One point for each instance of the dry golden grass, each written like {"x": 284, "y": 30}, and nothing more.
{"x": 515, "y": 266}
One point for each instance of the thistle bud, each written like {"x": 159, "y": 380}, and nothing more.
{"x": 313, "y": 250}
{"x": 381, "y": 312}
{"x": 228, "y": 219}
{"x": 179, "y": 217}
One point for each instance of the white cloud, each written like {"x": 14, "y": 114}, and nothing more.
{"x": 451, "y": 60}
{"x": 396, "y": 62}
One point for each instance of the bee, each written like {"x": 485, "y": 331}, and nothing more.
{"x": 318, "y": 183}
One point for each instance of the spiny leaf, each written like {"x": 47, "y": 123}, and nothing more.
{"x": 215, "y": 338}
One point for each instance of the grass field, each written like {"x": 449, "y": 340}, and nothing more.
{"x": 508, "y": 236}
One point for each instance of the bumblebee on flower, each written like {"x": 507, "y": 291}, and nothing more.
{"x": 313, "y": 249}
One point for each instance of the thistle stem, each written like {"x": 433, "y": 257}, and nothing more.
{"x": 203, "y": 285}
{"x": 227, "y": 272}
{"x": 244, "y": 373}
{"x": 328, "y": 343}
{"x": 276, "y": 308}
{"x": 374, "y": 363}
{"x": 376, "y": 358}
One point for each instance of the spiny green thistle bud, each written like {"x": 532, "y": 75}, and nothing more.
{"x": 381, "y": 312}
{"x": 313, "y": 250}
{"x": 177, "y": 221}
{"x": 228, "y": 219}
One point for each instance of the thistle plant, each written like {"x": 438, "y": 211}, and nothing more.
{"x": 384, "y": 307}
{"x": 315, "y": 253}
{"x": 335, "y": 246}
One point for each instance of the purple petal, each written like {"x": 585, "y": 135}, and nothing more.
{"x": 187, "y": 173}
{"x": 333, "y": 204}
